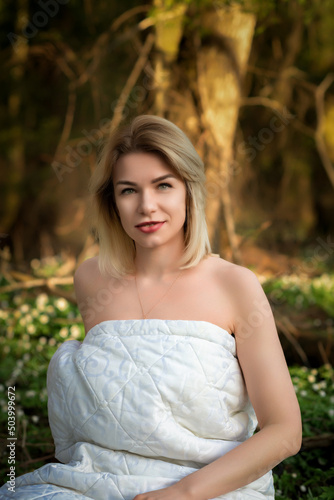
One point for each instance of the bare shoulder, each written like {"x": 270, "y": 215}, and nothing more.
{"x": 85, "y": 276}
{"x": 86, "y": 270}
{"x": 241, "y": 284}
{"x": 243, "y": 293}
{"x": 234, "y": 274}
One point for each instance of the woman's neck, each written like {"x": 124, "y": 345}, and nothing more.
{"x": 158, "y": 263}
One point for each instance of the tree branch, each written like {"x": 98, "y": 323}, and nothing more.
{"x": 264, "y": 101}
{"x": 33, "y": 283}
{"x": 117, "y": 118}
{"x": 284, "y": 328}
{"x": 68, "y": 120}
{"x": 321, "y": 441}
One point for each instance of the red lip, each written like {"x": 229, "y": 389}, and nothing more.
{"x": 149, "y": 222}
{"x": 150, "y": 229}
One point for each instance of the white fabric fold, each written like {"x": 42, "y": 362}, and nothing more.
{"x": 138, "y": 405}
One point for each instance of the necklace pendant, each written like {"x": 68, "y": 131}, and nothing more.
{"x": 161, "y": 298}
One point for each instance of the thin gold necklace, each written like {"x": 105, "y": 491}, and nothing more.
{"x": 164, "y": 295}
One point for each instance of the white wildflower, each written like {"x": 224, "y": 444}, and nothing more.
{"x": 28, "y": 318}
{"x": 75, "y": 331}
{"x": 31, "y": 329}
{"x": 30, "y": 394}
{"x": 18, "y": 299}
{"x": 44, "y": 319}
{"x": 41, "y": 301}
{"x": 63, "y": 332}
{"x": 61, "y": 304}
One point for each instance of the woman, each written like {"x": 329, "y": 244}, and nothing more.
{"x": 181, "y": 357}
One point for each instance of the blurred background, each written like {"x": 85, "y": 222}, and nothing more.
{"x": 251, "y": 82}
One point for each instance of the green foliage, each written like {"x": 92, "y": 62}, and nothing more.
{"x": 32, "y": 327}
{"x": 302, "y": 479}
{"x": 322, "y": 291}
{"x": 307, "y": 474}
{"x": 315, "y": 390}
{"x": 300, "y": 291}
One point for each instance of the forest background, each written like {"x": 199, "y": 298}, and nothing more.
{"x": 252, "y": 84}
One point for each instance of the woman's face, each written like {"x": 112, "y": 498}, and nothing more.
{"x": 147, "y": 190}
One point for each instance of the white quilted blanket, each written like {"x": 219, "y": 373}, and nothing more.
{"x": 138, "y": 405}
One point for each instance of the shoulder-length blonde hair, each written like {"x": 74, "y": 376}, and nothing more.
{"x": 159, "y": 136}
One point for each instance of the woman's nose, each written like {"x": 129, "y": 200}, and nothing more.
{"x": 147, "y": 202}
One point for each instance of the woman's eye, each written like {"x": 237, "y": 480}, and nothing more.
{"x": 162, "y": 185}
{"x": 126, "y": 190}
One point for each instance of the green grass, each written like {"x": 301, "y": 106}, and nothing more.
{"x": 310, "y": 474}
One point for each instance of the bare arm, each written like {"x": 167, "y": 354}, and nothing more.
{"x": 271, "y": 393}
{"x": 85, "y": 279}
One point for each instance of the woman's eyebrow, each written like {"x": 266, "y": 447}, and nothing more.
{"x": 129, "y": 183}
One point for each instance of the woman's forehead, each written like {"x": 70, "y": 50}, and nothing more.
{"x": 142, "y": 165}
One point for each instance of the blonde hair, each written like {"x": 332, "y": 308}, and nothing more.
{"x": 149, "y": 134}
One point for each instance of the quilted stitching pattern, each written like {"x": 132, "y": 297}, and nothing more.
{"x": 138, "y": 405}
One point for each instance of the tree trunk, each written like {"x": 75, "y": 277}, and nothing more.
{"x": 16, "y": 152}
{"x": 168, "y": 29}
{"x": 294, "y": 211}
{"x": 222, "y": 62}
